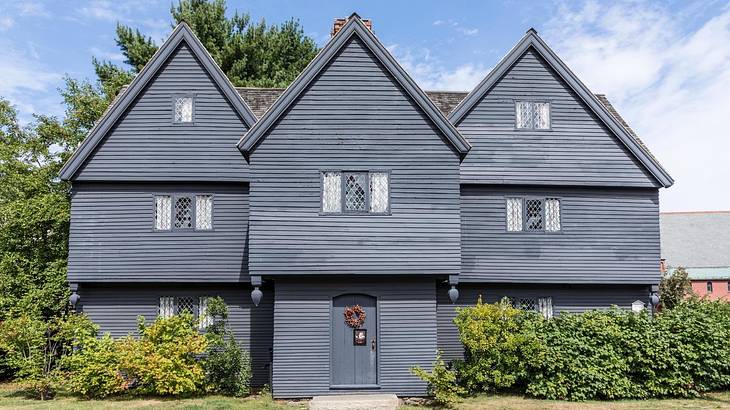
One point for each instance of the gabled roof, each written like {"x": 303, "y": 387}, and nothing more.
{"x": 532, "y": 40}
{"x": 353, "y": 27}
{"x": 181, "y": 33}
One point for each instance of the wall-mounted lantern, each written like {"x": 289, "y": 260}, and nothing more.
{"x": 74, "y": 299}
{"x": 256, "y": 296}
{"x": 453, "y": 294}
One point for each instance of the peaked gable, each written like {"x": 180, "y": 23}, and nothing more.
{"x": 353, "y": 27}
{"x": 182, "y": 38}
{"x": 532, "y": 44}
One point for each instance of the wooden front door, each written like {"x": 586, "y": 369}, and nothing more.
{"x": 354, "y": 362}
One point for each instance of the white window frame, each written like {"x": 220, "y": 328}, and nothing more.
{"x": 531, "y": 105}
{"x": 554, "y": 228}
{"x": 194, "y": 208}
{"x": 342, "y": 208}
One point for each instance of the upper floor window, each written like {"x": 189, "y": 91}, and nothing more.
{"x": 532, "y": 115}
{"x": 183, "y": 109}
{"x": 188, "y": 212}
{"x": 355, "y": 192}
{"x": 532, "y": 214}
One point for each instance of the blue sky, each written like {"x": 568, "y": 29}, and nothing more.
{"x": 665, "y": 65}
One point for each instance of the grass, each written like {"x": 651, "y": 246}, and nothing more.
{"x": 12, "y": 397}
{"x": 708, "y": 401}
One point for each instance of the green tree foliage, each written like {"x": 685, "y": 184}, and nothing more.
{"x": 674, "y": 288}
{"x": 251, "y": 54}
{"x": 442, "y": 382}
{"x": 36, "y": 348}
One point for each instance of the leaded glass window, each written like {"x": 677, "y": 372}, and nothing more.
{"x": 331, "y": 192}
{"x": 355, "y": 194}
{"x": 184, "y": 304}
{"x": 204, "y": 319}
{"x": 552, "y": 214}
{"x": 183, "y": 212}
{"x": 514, "y": 214}
{"x": 167, "y": 307}
{"x": 378, "y": 192}
{"x": 545, "y": 307}
{"x": 163, "y": 209}
{"x": 532, "y": 115}
{"x": 203, "y": 212}
{"x": 527, "y": 304}
{"x": 533, "y": 214}
{"x": 183, "y": 109}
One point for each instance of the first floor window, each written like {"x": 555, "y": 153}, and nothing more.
{"x": 545, "y": 307}
{"x": 204, "y": 318}
{"x": 533, "y": 115}
{"x": 709, "y": 287}
{"x": 532, "y": 214}
{"x": 175, "y": 305}
{"x": 355, "y": 192}
{"x": 542, "y": 305}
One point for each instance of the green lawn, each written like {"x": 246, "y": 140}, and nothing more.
{"x": 10, "y": 397}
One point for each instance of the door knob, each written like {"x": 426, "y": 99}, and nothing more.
{"x": 372, "y": 343}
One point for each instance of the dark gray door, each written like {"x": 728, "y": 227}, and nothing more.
{"x": 353, "y": 363}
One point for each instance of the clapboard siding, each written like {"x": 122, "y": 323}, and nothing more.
{"x": 115, "y": 309}
{"x": 578, "y": 150}
{"x": 607, "y": 236}
{"x": 112, "y": 236}
{"x": 566, "y": 298}
{"x": 302, "y": 340}
{"x": 145, "y": 145}
{"x": 354, "y": 116}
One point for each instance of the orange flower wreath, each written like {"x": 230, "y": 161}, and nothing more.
{"x": 354, "y": 316}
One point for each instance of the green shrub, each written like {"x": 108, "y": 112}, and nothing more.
{"x": 227, "y": 367}
{"x": 94, "y": 370}
{"x": 674, "y": 288}
{"x": 442, "y": 383}
{"x": 36, "y": 347}
{"x": 164, "y": 360}
{"x": 498, "y": 342}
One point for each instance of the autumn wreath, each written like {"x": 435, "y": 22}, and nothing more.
{"x": 354, "y": 316}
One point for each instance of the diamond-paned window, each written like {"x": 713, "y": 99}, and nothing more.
{"x": 355, "y": 194}
{"x": 527, "y": 304}
{"x": 183, "y": 109}
{"x": 552, "y": 214}
{"x": 203, "y": 212}
{"x": 184, "y": 304}
{"x": 532, "y": 115}
{"x": 167, "y": 307}
{"x": 163, "y": 209}
{"x": 533, "y": 214}
{"x": 514, "y": 214}
{"x": 183, "y": 212}
{"x": 378, "y": 192}
{"x": 545, "y": 307}
{"x": 331, "y": 192}
{"x": 204, "y": 319}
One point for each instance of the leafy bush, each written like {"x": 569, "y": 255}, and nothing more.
{"x": 36, "y": 347}
{"x": 227, "y": 367}
{"x": 674, "y": 288}
{"x": 442, "y": 383}
{"x": 164, "y": 360}
{"x": 498, "y": 342}
{"x": 94, "y": 370}
{"x": 613, "y": 354}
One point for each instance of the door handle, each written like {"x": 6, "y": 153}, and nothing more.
{"x": 372, "y": 343}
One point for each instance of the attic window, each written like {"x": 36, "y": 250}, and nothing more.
{"x": 532, "y": 115}
{"x": 183, "y": 109}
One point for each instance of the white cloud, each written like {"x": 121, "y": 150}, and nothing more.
{"x": 671, "y": 85}
{"x": 32, "y": 9}
{"x": 431, "y": 74}
{"x": 106, "y": 55}
{"x": 467, "y": 31}
{"x": 6, "y": 23}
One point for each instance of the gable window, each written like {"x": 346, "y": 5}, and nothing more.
{"x": 183, "y": 212}
{"x": 183, "y": 109}
{"x": 532, "y": 115}
{"x": 355, "y": 192}
{"x": 532, "y": 214}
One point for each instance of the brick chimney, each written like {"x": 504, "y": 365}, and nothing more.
{"x": 340, "y": 22}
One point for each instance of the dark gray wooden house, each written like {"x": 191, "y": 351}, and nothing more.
{"x": 355, "y": 187}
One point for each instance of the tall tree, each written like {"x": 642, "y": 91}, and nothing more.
{"x": 250, "y": 54}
